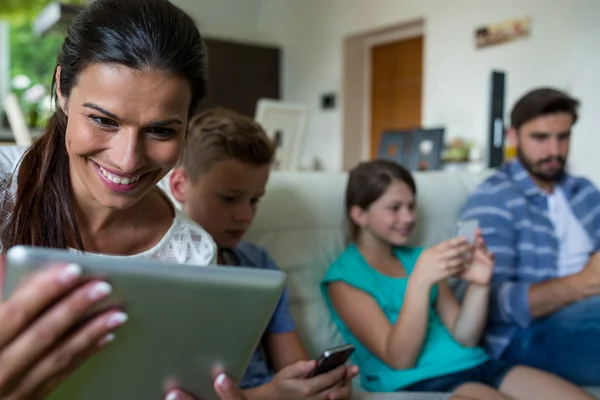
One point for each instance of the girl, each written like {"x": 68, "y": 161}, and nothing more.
{"x": 393, "y": 302}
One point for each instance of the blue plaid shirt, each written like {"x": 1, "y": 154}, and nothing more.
{"x": 513, "y": 216}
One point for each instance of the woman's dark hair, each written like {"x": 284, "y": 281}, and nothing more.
{"x": 368, "y": 181}
{"x": 139, "y": 34}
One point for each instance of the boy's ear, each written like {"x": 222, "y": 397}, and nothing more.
{"x": 179, "y": 183}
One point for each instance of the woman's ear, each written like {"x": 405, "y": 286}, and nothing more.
{"x": 179, "y": 183}
{"x": 62, "y": 100}
{"x": 358, "y": 216}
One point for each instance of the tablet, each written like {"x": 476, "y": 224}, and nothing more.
{"x": 185, "y": 323}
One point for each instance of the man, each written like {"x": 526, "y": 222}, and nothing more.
{"x": 543, "y": 225}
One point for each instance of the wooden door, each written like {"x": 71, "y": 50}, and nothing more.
{"x": 396, "y": 87}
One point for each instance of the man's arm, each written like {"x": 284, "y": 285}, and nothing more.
{"x": 550, "y": 296}
{"x": 513, "y": 301}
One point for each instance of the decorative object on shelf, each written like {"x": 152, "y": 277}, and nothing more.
{"x": 285, "y": 124}
{"x": 457, "y": 150}
{"x": 503, "y": 32}
{"x": 510, "y": 151}
{"x": 418, "y": 150}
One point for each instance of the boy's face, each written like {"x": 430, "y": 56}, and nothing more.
{"x": 224, "y": 198}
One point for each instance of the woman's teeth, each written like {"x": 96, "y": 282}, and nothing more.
{"x": 119, "y": 180}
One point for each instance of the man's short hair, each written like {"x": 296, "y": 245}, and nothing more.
{"x": 540, "y": 102}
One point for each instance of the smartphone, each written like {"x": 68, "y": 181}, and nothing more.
{"x": 467, "y": 228}
{"x": 332, "y": 358}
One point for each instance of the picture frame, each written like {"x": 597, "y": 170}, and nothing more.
{"x": 395, "y": 146}
{"x": 285, "y": 124}
{"x": 502, "y": 32}
{"x": 426, "y": 149}
{"x": 417, "y": 150}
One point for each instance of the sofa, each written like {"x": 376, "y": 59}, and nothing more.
{"x": 301, "y": 223}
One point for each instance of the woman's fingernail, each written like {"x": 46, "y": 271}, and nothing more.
{"x": 69, "y": 274}
{"x": 116, "y": 320}
{"x": 220, "y": 379}
{"x": 172, "y": 396}
{"x": 106, "y": 339}
{"x": 99, "y": 291}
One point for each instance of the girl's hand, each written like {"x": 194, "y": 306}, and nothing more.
{"x": 442, "y": 261}
{"x": 480, "y": 270}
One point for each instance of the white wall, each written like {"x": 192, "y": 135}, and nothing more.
{"x": 229, "y": 19}
{"x": 585, "y": 60}
{"x": 561, "y": 52}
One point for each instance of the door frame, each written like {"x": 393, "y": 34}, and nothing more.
{"x": 356, "y": 99}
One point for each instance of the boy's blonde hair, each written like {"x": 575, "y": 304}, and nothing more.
{"x": 220, "y": 134}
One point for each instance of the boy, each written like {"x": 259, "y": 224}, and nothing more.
{"x": 219, "y": 182}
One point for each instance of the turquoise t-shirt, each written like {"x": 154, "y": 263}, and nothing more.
{"x": 440, "y": 355}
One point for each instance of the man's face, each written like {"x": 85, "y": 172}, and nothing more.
{"x": 543, "y": 145}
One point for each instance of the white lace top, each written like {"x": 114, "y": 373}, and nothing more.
{"x": 185, "y": 242}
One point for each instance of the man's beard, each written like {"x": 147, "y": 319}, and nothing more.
{"x": 534, "y": 167}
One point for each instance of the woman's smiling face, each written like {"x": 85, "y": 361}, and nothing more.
{"x": 125, "y": 131}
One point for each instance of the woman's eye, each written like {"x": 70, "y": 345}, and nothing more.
{"x": 103, "y": 122}
{"x": 161, "y": 132}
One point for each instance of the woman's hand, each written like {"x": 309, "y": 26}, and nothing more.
{"x": 442, "y": 261}
{"x": 225, "y": 388}
{"x": 481, "y": 268}
{"x": 35, "y": 355}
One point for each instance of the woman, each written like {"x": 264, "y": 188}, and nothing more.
{"x": 128, "y": 77}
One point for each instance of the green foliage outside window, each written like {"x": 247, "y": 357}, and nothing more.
{"x": 31, "y": 55}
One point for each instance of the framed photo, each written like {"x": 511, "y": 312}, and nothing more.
{"x": 503, "y": 32}
{"x": 285, "y": 123}
{"x": 426, "y": 149}
{"x": 417, "y": 150}
{"x": 395, "y": 145}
